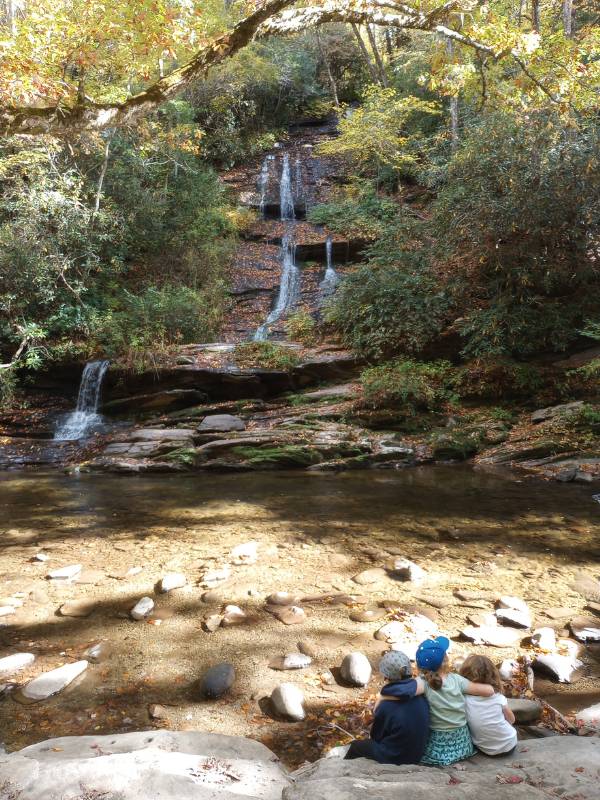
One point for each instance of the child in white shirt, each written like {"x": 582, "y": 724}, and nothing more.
{"x": 489, "y": 719}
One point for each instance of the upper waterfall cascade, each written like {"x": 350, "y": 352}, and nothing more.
{"x": 85, "y": 417}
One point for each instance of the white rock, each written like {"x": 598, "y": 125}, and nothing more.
{"x": 356, "y": 669}
{"x": 513, "y": 602}
{"x": 288, "y": 700}
{"x": 6, "y": 610}
{"x": 233, "y": 615}
{"x": 246, "y": 553}
{"x": 172, "y": 580}
{"x": 142, "y": 608}
{"x": 50, "y": 683}
{"x": 586, "y": 629}
{"x": 407, "y": 646}
{"x": 41, "y": 557}
{"x": 509, "y": 669}
{"x": 559, "y": 667}
{"x": 544, "y": 639}
{"x": 514, "y": 617}
{"x": 283, "y": 599}
{"x": 406, "y": 570}
{"x": 215, "y": 576}
{"x": 15, "y": 663}
{"x": 65, "y": 573}
{"x": 495, "y": 636}
{"x": 589, "y": 717}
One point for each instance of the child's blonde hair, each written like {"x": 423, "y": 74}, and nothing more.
{"x": 436, "y": 679}
{"x": 480, "y": 669}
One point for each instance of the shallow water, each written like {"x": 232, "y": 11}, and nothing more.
{"x": 470, "y": 528}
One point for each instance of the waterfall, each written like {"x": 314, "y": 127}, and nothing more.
{"x": 299, "y": 186}
{"x": 263, "y": 183}
{"x": 285, "y": 190}
{"x": 80, "y": 422}
{"x": 331, "y": 279}
{"x": 289, "y": 287}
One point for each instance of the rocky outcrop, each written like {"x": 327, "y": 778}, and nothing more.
{"x": 140, "y": 766}
{"x": 199, "y": 766}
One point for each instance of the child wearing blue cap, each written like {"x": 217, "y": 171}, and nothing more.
{"x": 449, "y": 737}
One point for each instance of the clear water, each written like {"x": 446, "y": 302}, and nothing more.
{"x": 85, "y": 418}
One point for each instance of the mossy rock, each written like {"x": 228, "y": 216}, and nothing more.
{"x": 184, "y": 456}
{"x": 282, "y": 457}
{"x": 457, "y": 446}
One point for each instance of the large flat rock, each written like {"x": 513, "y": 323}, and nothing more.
{"x": 142, "y": 766}
{"x": 561, "y": 766}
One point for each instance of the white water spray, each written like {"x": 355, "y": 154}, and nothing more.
{"x": 331, "y": 279}
{"x": 85, "y": 417}
{"x": 289, "y": 288}
{"x": 286, "y": 196}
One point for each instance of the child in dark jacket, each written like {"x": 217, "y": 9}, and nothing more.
{"x": 401, "y": 725}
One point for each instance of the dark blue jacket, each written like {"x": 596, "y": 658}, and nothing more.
{"x": 400, "y": 728}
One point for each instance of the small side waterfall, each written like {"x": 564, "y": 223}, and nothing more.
{"x": 286, "y": 194}
{"x": 263, "y": 183}
{"x": 331, "y": 279}
{"x": 289, "y": 288}
{"x": 85, "y": 417}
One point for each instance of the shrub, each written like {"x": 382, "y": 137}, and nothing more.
{"x": 301, "y": 327}
{"x": 381, "y": 312}
{"x": 267, "y": 355}
{"x": 499, "y": 378}
{"x": 408, "y": 386}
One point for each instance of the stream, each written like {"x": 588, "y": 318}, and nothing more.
{"x": 467, "y": 528}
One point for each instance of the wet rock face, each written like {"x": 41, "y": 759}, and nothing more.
{"x": 217, "y": 681}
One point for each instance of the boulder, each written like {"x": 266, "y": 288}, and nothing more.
{"x": 288, "y": 701}
{"x": 147, "y": 764}
{"x": 562, "y": 766}
{"x": 559, "y": 667}
{"x": 217, "y": 681}
{"x": 544, "y": 639}
{"x": 9, "y": 665}
{"x": 563, "y": 410}
{"x": 54, "y": 681}
{"x": 514, "y": 617}
{"x": 356, "y": 669}
{"x": 221, "y": 423}
{"x": 172, "y": 580}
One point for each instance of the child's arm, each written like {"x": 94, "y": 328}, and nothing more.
{"x": 508, "y": 715}
{"x": 479, "y": 689}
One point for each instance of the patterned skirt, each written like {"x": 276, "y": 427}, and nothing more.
{"x": 447, "y": 747}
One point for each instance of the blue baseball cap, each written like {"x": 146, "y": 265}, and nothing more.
{"x": 431, "y": 653}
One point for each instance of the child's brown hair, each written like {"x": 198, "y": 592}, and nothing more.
{"x": 480, "y": 669}
{"x": 435, "y": 679}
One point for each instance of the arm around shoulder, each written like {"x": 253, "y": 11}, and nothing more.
{"x": 479, "y": 689}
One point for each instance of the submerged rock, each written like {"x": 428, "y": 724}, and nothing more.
{"x": 142, "y": 608}
{"x": 212, "y": 577}
{"x": 233, "y": 615}
{"x": 589, "y": 717}
{"x": 15, "y": 663}
{"x": 283, "y": 599}
{"x": 246, "y": 553}
{"x": 356, "y": 669}
{"x": 52, "y": 682}
{"x": 288, "y": 701}
{"x": 368, "y": 576}
{"x": 217, "y": 681}
{"x": 290, "y": 615}
{"x": 65, "y": 573}
{"x": 368, "y": 615}
{"x": 77, "y": 608}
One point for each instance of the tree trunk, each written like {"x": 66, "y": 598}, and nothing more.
{"x": 330, "y": 77}
{"x": 568, "y": 17}
{"x": 377, "y": 54}
{"x": 365, "y": 53}
{"x": 454, "y": 135}
{"x": 535, "y": 15}
{"x": 102, "y": 175}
